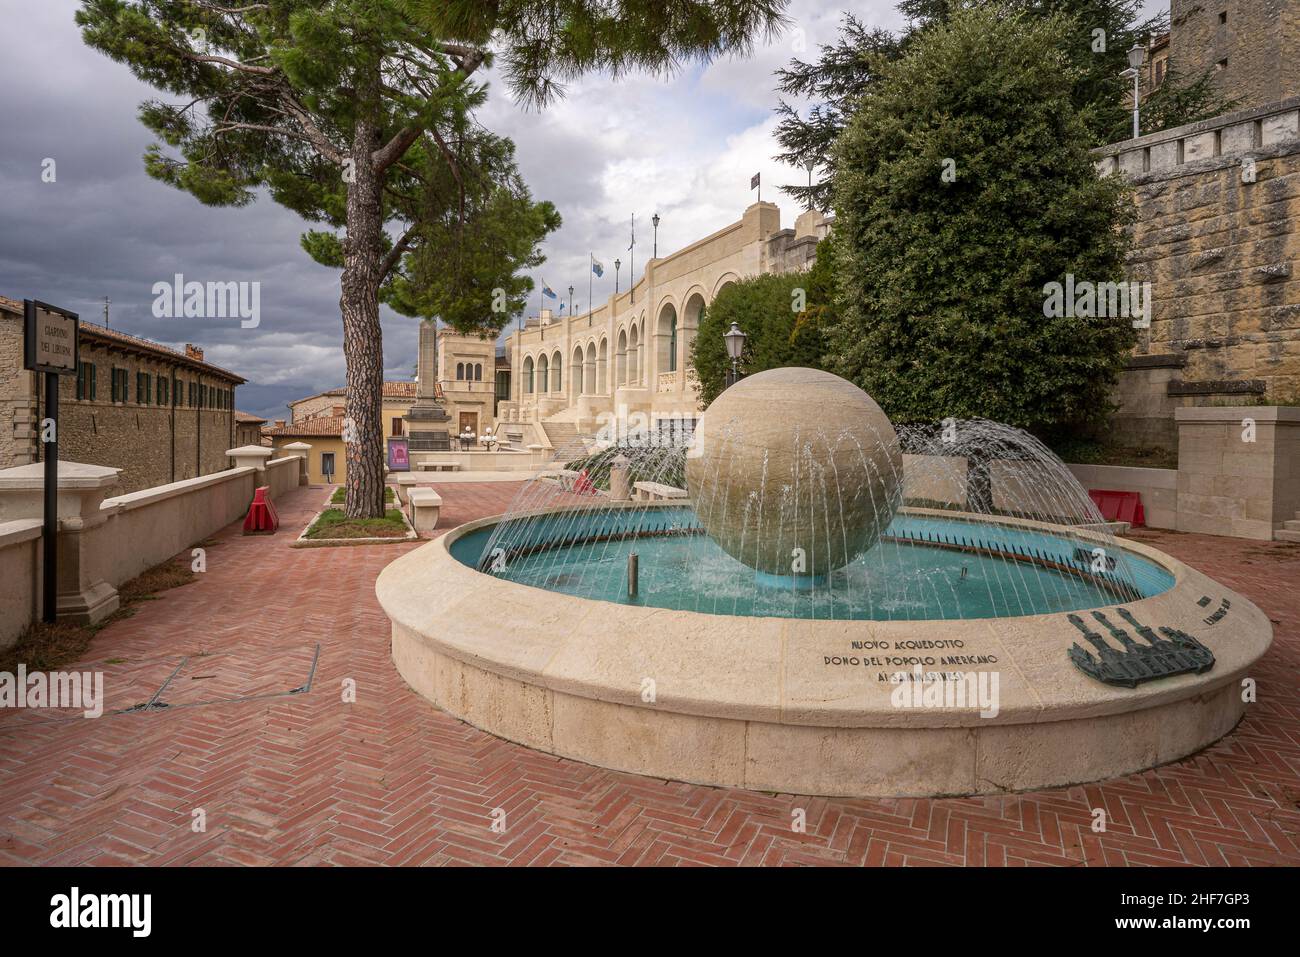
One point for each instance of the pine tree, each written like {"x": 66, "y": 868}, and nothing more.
{"x": 332, "y": 105}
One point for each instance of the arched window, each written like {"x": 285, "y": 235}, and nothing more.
{"x": 528, "y": 375}
{"x": 557, "y": 382}
{"x": 460, "y": 371}
{"x": 478, "y": 372}
{"x": 672, "y": 345}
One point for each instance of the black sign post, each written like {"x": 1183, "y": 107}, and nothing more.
{"x": 50, "y": 341}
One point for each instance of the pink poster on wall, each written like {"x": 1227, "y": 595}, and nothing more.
{"x": 399, "y": 460}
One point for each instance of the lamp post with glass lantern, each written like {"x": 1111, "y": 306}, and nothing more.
{"x": 655, "y": 222}
{"x": 735, "y": 339}
{"x": 1136, "y": 57}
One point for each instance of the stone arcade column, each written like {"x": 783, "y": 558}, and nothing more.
{"x": 84, "y": 596}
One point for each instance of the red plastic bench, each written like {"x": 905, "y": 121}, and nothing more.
{"x": 1118, "y": 506}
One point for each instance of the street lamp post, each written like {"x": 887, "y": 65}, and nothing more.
{"x": 1136, "y": 56}
{"x": 570, "y": 301}
{"x": 735, "y": 339}
{"x": 810, "y": 166}
{"x": 655, "y": 221}
{"x": 617, "y": 264}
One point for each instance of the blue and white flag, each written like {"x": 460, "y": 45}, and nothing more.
{"x": 597, "y": 266}
{"x": 547, "y": 291}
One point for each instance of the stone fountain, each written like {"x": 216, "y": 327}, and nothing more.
{"x": 824, "y": 613}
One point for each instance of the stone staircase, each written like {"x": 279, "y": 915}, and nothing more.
{"x": 567, "y": 442}
{"x": 1290, "y": 530}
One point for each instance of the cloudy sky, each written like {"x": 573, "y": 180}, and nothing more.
{"x": 684, "y": 147}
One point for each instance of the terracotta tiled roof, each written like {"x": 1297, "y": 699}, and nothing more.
{"x": 247, "y": 417}
{"x": 399, "y": 390}
{"x": 393, "y": 389}
{"x": 119, "y": 338}
{"x": 316, "y": 425}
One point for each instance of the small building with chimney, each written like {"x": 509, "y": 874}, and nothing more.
{"x": 158, "y": 414}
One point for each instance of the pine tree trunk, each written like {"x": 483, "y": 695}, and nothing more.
{"x": 363, "y": 346}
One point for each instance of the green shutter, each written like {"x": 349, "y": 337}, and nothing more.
{"x": 81, "y": 380}
{"x": 92, "y": 381}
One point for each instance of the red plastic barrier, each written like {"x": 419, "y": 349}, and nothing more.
{"x": 1119, "y": 506}
{"x": 583, "y": 485}
{"x": 261, "y": 518}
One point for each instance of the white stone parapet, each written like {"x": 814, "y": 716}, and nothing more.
{"x": 1221, "y": 140}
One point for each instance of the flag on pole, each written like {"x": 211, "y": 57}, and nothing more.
{"x": 547, "y": 291}
{"x": 597, "y": 267}
{"x": 755, "y": 180}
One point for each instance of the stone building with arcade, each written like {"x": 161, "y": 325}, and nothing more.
{"x": 630, "y": 355}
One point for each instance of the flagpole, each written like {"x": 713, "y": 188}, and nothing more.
{"x": 631, "y": 269}
{"x": 591, "y": 268}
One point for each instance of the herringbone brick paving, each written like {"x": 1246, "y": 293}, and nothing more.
{"x": 310, "y": 779}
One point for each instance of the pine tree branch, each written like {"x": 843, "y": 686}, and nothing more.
{"x": 396, "y": 252}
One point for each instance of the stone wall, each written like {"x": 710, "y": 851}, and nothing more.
{"x": 20, "y": 556}
{"x": 17, "y": 395}
{"x": 150, "y": 526}
{"x": 1249, "y": 47}
{"x": 1218, "y": 205}
{"x": 314, "y": 405}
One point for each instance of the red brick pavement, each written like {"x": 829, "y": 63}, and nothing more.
{"x": 308, "y": 779}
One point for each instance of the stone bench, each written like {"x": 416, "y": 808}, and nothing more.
{"x": 565, "y": 478}
{"x": 656, "y": 492}
{"x": 425, "y": 503}
{"x": 405, "y": 483}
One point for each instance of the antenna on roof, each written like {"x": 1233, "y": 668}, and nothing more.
{"x": 106, "y": 302}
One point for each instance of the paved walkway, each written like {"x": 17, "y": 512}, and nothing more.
{"x": 278, "y": 778}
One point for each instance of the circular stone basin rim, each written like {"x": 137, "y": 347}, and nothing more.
{"x": 749, "y": 702}
{"x": 670, "y": 636}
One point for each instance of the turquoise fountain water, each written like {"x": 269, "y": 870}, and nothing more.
{"x": 993, "y": 525}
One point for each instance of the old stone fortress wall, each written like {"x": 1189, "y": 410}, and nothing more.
{"x": 1216, "y": 236}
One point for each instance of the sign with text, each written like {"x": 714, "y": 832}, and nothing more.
{"x": 49, "y": 338}
{"x": 399, "y": 459}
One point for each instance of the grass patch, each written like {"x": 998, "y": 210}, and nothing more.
{"x": 332, "y": 523}
{"x": 341, "y": 495}
{"x": 44, "y": 647}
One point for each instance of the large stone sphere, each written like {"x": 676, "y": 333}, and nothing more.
{"x": 795, "y": 472}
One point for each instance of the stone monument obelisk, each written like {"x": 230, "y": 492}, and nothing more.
{"x": 426, "y": 413}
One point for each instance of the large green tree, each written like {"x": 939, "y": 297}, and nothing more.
{"x": 338, "y": 107}
{"x": 1095, "y": 47}
{"x": 965, "y": 186}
